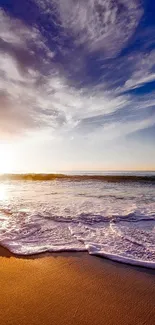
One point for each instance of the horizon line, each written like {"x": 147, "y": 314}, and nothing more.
{"x": 71, "y": 171}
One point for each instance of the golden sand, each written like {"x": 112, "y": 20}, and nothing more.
{"x": 74, "y": 289}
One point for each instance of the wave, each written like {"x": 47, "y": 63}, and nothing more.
{"x": 127, "y": 239}
{"x": 93, "y": 250}
{"x": 103, "y": 178}
{"x": 109, "y": 220}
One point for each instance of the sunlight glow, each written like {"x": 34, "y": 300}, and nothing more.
{"x": 6, "y": 158}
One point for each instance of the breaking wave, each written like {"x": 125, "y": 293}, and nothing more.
{"x": 112, "y": 220}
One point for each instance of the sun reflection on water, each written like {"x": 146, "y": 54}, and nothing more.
{"x": 3, "y": 193}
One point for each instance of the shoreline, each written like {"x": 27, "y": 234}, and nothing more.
{"x": 74, "y": 288}
{"x": 4, "y": 251}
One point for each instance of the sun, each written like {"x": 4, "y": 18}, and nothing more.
{"x": 6, "y": 158}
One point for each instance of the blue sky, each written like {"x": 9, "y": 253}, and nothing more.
{"x": 77, "y": 84}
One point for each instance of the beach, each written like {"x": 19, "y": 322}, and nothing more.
{"x": 74, "y": 288}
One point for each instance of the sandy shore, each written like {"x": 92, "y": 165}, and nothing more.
{"x": 74, "y": 288}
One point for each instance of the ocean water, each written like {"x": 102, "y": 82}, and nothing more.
{"x": 113, "y": 219}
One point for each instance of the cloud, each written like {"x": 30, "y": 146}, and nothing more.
{"x": 147, "y": 135}
{"x": 144, "y": 70}
{"x": 26, "y": 45}
{"x": 20, "y": 74}
{"x": 96, "y": 24}
{"x": 38, "y": 89}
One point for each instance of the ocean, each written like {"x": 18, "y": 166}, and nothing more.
{"x": 106, "y": 214}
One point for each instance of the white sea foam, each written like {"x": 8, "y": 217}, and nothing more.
{"x": 88, "y": 216}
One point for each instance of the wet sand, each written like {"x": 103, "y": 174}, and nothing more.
{"x": 74, "y": 288}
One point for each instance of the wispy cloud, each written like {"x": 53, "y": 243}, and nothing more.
{"x": 39, "y": 69}
{"x": 96, "y": 24}
{"x": 144, "y": 69}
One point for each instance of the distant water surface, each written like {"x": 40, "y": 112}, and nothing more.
{"x": 113, "y": 173}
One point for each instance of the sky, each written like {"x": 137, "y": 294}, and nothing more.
{"x": 77, "y": 85}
